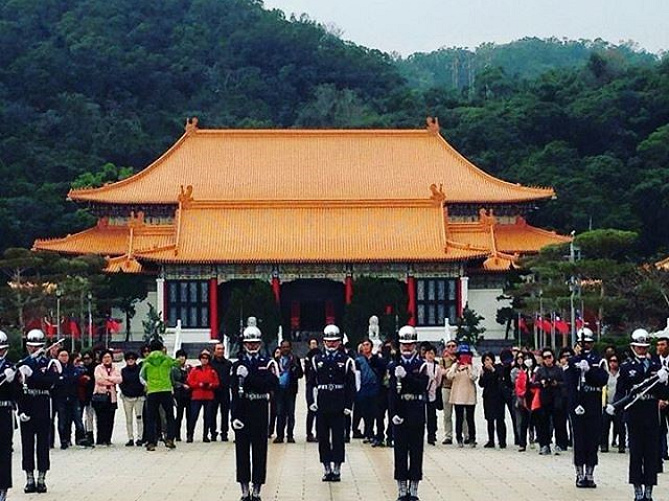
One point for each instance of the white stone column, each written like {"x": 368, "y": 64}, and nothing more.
{"x": 464, "y": 292}
{"x": 160, "y": 297}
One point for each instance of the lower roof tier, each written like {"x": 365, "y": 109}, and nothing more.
{"x": 258, "y": 233}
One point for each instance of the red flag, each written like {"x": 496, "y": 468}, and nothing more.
{"x": 49, "y": 328}
{"x": 561, "y": 326}
{"x": 544, "y": 324}
{"x": 522, "y": 325}
{"x": 113, "y": 325}
{"x": 579, "y": 322}
{"x": 75, "y": 332}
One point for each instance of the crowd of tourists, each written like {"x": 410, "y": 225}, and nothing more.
{"x": 551, "y": 399}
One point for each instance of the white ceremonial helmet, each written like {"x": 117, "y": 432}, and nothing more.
{"x": 4, "y": 341}
{"x": 251, "y": 335}
{"x": 585, "y": 335}
{"x": 640, "y": 337}
{"x": 331, "y": 333}
{"x": 407, "y": 335}
{"x": 35, "y": 337}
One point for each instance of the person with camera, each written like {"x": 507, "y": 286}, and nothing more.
{"x": 549, "y": 380}
{"x": 463, "y": 394}
{"x": 585, "y": 378}
{"x": 254, "y": 378}
{"x": 491, "y": 381}
{"x": 203, "y": 381}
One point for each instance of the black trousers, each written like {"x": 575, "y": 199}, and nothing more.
{"x": 366, "y": 409}
{"x": 619, "y": 433}
{"x": 251, "y": 442}
{"x": 221, "y": 404}
{"x": 311, "y": 415}
{"x": 510, "y": 403}
{"x": 431, "y": 414}
{"x": 105, "y": 418}
{"x": 551, "y": 418}
{"x": 182, "y": 410}
{"x": 6, "y": 436}
{"x": 501, "y": 430}
{"x": 285, "y": 412}
{"x": 381, "y": 410}
{"x": 644, "y": 438}
{"x": 522, "y": 425}
{"x": 330, "y": 429}
{"x": 35, "y": 435}
{"x": 195, "y": 406}
{"x": 154, "y": 402}
{"x": 408, "y": 451}
{"x": 460, "y": 412}
{"x": 587, "y": 434}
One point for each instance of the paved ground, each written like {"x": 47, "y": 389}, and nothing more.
{"x": 206, "y": 472}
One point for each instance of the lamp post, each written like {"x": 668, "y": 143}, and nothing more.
{"x": 89, "y": 296}
{"x": 59, "y": 294}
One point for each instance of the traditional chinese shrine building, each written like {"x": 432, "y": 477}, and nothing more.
{"x": 309, "y": 210}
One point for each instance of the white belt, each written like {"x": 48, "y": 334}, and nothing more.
{"x": 6, "y": 403}
{"x": 35, "y": 393}
{"x": 257, "y": 396}
{"x": 330, "y": 387}
{"x": 411, "y": 397}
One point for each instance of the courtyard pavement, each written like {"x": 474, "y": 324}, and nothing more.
{"x": 205, "y": 472}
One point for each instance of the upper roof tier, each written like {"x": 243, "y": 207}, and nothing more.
{"x": 318, "y": 165}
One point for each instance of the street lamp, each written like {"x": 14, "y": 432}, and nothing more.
{"x": 89, "y": 296}
{"x": 59, "y": 294}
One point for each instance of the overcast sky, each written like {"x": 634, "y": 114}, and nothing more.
{"x": 408, "y": 26}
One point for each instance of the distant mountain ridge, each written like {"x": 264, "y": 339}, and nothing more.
{"x": 527, "y": 58}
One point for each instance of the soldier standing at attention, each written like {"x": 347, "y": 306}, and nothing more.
{"x": 38, "y": 376}
{"x": 585, "y": 377}
{"x": 8, "y": 394}
{"x": 407, "y": 401}
{"x": 334, "y": 392}
{"x": 642, "y": 416}
{"x": 254, "y": 377}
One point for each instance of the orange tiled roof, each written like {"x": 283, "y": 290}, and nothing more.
{"x": 110, "y": 240}
{"x": 310, "y": 233}
{"x": 518, "y": 238}
{"x": 245, "y": 232}
{"x": 310, "y": 165}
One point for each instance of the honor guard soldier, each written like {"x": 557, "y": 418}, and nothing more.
{"x": 334, "y": 391}
{"x": 254, "y": 377}
{"x": 585, "y": 377}
{"x": 8, "y": 395}
{"x": 641, "y": 383}
{"x": 38, "y": 374}
{"x": 407, "y": 401}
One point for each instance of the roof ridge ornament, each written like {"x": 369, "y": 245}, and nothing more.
{"x": 185, "y": 196}
{"x": 487, "y": 218}
{"x": 433, "y": 125}
{"x": 191, "y": 124}
{"x": 438, "y": 195}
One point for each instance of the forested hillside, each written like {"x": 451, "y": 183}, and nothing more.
{"x": 89, "y": 83}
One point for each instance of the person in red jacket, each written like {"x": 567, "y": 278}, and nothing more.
{"x": 202, "y": 380}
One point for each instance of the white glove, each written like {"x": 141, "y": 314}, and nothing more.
{"x": 397, "y": 420}
{"x": 237, "y": 424}
{"x": 610, "y": 410}
{"x": 10, "y": 374}
{"x": 313, "y": 407}
{"x": 25, "y": 371}
{"x": 663, "y": 375}
{"x": 400, "y": 372}
{"x": 348, "y": 412}
{"x": 583, "y": 365}
{"x": 24, "y": 418}
{"x": 242, "y": 371}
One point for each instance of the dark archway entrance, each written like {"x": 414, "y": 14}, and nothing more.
{"x": 308, "y": 305}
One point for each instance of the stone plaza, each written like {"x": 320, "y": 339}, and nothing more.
{"x": 206, "y": 472}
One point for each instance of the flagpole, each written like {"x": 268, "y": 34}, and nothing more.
{"x": 536, "y": 333}
{"x": 553, "y": 345}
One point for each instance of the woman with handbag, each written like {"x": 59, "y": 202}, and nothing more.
{"x": 104, "y": 397}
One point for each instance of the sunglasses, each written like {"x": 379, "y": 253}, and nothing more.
{"x": 547, "y": 356}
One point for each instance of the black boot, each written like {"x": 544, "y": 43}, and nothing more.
{"x": 30, "y": 483}
{"x": 41, "y": 484}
